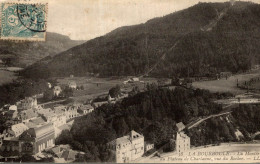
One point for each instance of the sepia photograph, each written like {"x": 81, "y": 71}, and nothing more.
{"x": 130, "y": 81}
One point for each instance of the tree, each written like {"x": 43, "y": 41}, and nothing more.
{"x": 48, "y": 95}
{"x": 115, "y": 91}
{"x": 67, "y": 92}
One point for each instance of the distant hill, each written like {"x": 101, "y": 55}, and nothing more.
{"x": 26, "y": 53}
{"x": 201, "y": 40}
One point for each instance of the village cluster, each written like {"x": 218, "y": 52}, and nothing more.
{"x": 32, "y": 130}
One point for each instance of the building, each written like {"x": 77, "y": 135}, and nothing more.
{"x": 57, "y": 119}
{"x": 73, "y": 85}
{"x": 31, "y": 142}
{"x": 182, "y": 143}
{"x": 182, "y": 140}
{"x": 27, "y": 103}
{"x": 57, "y": 90}
{"x": 10, "y": 148}
{"x": 65, "y": 152}
{"x": 13, "y": 107}
{"x": 71, "y": 112}
{"x": 37, "y": 139}
{"x": 148, "y": 146}
{"x": 49, "y": 85}
{"x": 16, "y": 130}
{"x": 85, "y": 109}
{"x": 180, "y": 126}
{"x": 27, "y": 115}
{"x": 135, "y": 79}
{"x": 98, "y": 104}
{"x": 127, "y": 148}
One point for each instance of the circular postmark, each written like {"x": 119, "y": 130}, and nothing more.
{"x": 32, "y": 16}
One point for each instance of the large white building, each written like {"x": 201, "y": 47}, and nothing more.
{"x": 182, "y": 140}
{"x": 127, "y": 148}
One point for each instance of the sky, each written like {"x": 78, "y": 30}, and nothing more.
{"x": 87, "y": 19}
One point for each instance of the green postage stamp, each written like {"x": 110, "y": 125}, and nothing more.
{"x": 23, "y": 21}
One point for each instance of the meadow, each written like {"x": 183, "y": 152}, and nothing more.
{"x": 94, "y": 87}
{"x": 226, "y": 85}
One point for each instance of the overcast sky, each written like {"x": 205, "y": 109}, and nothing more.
{"x": 87, "y": 19}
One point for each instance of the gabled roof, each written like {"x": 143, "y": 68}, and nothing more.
{"x": 126, "y": 139}
{"x": 38, "y": 121}
{"x": 69, "y": 154}
{"x": 57, "y": 88}
{"x": 28, "y": 114}
{"x": 180, "y": 126}
{"x": 134, "y": 135}
{"x": 40, "y": 131}
{"x": 19, "y": 128}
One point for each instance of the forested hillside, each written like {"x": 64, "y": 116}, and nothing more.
{"x": 231, "y": 45}
{"x": 153, "y": 113}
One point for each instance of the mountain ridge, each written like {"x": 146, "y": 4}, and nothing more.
{"x": 132, "y": 50}
{"x": 30, "y": 52}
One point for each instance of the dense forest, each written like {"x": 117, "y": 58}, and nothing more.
{"x": 231, "y": 45}
{"x": 21, "y": 88}
{"x": 245, "y": 118}
{"x": 153, "y": 113}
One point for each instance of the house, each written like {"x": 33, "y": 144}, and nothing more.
{"x": 57, "y": 90}
{"x": 17, "y": 129}
{"x": 182, "y": 143}
{"x": 49, "y": 85}
{"x": 13, "y": 107}
{"x": 72, "y": 84}
{"x": 182, "y": 140}
{"x": 85, "y": 109}
{"x": 148, "y": 146}
{"x": 135, "y": 79}
{"x": 127, "y": 148}
{"x": 110, "y": 99}
{"x": 71, "y": 112}
{"x": 65, "y": 152}
{"x": 37, "y": 139}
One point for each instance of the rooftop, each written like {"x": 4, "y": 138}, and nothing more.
{"x": 180, "y": 126}
{"x": 37, "y": 132}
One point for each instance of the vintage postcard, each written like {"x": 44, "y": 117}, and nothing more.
{"x": 130, "y": 81}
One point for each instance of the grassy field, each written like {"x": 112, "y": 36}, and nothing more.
{"x": 6, "y": 76}
{"x": 94, "y": 87}
{"x": 226, "y": 85}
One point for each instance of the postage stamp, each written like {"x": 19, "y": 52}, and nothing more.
{"x": 23, "y": 21}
